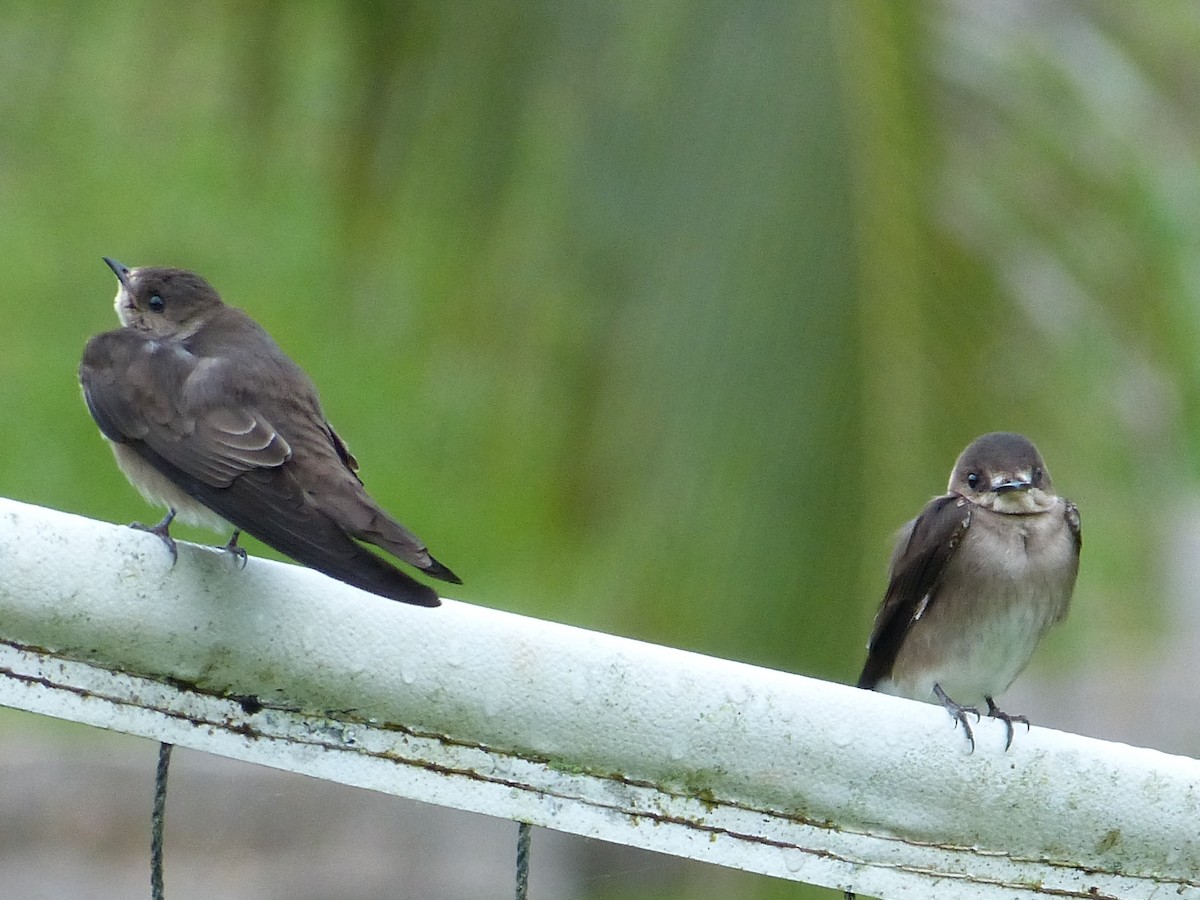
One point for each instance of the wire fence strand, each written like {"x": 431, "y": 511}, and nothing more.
{"x": 524, "y": 840}
{"x": 156, "y": 821}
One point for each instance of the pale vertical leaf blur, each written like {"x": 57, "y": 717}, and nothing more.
{"x": 659, "y": 318}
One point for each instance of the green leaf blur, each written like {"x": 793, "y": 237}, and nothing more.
{"x": 656, "y": 318}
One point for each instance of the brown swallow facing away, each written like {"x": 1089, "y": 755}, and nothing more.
{"x": 208, "y": 417}
{"x": 975, "y": 581}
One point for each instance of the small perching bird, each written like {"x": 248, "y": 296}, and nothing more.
{"x": 208, "y": 417}
{"x": 975, "y": 581}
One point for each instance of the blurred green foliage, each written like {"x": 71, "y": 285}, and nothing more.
{"x": 654, "y": 318}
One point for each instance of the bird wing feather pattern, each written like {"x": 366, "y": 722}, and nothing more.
{"x": 176, "y": 414}
{"x": 914, "y": 579}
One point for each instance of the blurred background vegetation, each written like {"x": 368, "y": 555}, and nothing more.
{"x": 659, "y": 318}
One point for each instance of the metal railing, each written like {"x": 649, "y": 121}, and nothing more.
{"x": 578, "y": 731}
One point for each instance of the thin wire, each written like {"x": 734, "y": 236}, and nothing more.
{"x": 156, "y": 821}
{"x": 524, "y": 838}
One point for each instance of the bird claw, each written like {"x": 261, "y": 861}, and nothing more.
{"x": 996, "y": 713}
{"x": 959, "y": 713}
{"x": 231, "y": 547}
{"x": 163, "y": 531}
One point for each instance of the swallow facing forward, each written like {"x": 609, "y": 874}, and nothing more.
{"x": 208, "y": 417}
{"x": 976, "y": 580}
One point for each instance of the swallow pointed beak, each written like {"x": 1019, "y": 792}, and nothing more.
{"x": 122, "y": 272}
{"x": 1011, "y": 484}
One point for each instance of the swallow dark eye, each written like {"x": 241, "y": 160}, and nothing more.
{"x": 157, "y": 303}
{"x": 973, "y": 480}
{"x": 1036, "y": 478}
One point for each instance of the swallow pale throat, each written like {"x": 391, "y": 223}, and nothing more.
{"x": 976, "y": 580}
{"x": 208, "y": 417}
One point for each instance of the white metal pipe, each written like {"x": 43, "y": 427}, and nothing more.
{"x": 583, "y": 732}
